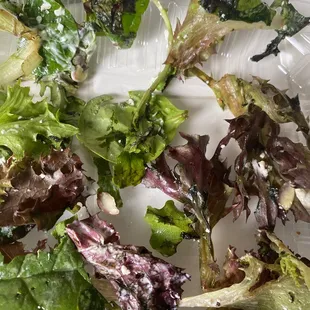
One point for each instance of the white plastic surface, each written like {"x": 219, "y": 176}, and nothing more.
{"x": 118, "y": 71}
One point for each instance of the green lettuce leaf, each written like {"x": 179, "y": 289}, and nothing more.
{"x": 66, "y": 46}
{"x": 26, "y": 58}
{"x": 128, "y": 170}
{"x": 70, "y": 107}
{"x": 49, "y": 281}
{"x": 108, "y": 129}
{"x": 169, "y": 227}
{"x": 29, "y": 128}
{"x": 273, "y": 279}
{"x": 117, "y": 19}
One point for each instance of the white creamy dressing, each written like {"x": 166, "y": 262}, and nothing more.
{"x": 45, "y": 6}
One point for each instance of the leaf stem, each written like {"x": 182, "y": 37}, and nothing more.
{"x": 201, "y": 75}
{"x": 162, "y": 76}
{"x": 165, "y": 17}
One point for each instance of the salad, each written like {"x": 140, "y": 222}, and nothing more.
{"x": 82, "y": 262}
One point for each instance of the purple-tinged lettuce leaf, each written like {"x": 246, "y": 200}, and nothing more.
{"x": 292, "y": 161}
{"x": 259, "y": 174}
{"x": 161, "y": 176}
{"x": 195, "y": 39}
{"x": 40, "y": 190}
{"x": 273, "y": 279}
{"x": 208, "y": 21}
{"x": 237, "y": 95}
{"x": 141, "y": 280}
{"x": 203, "y": 187}
{"x": 193, "y": 172}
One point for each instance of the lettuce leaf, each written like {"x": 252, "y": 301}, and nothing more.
{"x": 269, "y": 167}
{"x": 38, "y": 191}
{"x": 108, "y": 130}
{"x": 272, "y": 279}
{"x": 141, "y": 280}
{"x": 66, "y": 46}
{"x": 119, "y": 20}
{"x": 208, "y": 21}
{"x": 193, "y": 175}
{"x": 238, "y": 94}
{"x": 29, "y": 128}
{"x": 128, "y": 170}
{"x": 54, "y": 280}
{"x": 169, "y": 227}
{"x": 203, "y": 187}
{"x": 26, "y": 58}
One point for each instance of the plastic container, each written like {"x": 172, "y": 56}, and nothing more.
{"x": 118, "y": 71}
